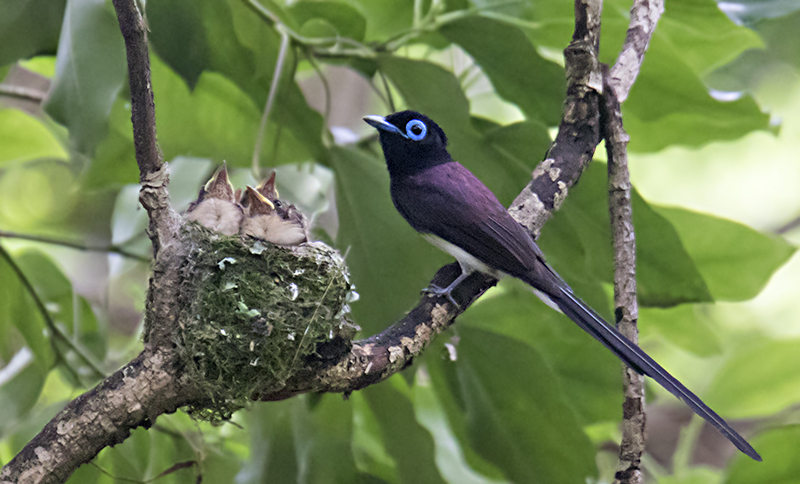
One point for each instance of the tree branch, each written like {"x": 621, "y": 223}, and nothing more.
{"x": 132, "y": 397}
{"x": 164, "y": 221}
{"x": 626, "y": 309}
{"x": 644, "y": 17}
{"x": 112, "y": 249}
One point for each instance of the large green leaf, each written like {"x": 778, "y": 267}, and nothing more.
{"x": 29, "y": 28}
{"x": 736, "y": 261}
{"x": 779, "y": 447}
{"x": 345, "y": 20}
{"x": 90, "y": 70}
{"x": 21, "y": 382}
{"x": 23, "y": 137}
{"x": 704, "y": 37}
{"x": 229, "y": 38}
{"x": 306, "y": 439}
{"x": 430, "y": 413}
{"x": 17, "y": 309}
{"x": 517, "y": 417}
{"x": 215, "y": 120}
{"x": 69, "y": 311}
{"x": 669, "y": 103}
{"x": 385, "y": 19}
{"x": 272, "y": 443}
{"x": 511, "y": 62}
{"x": 388, "y": 261}
{"x": 758, "y": 382}
{"x": 683, "y": 326}
{"x": 588, "y": 374}
{"x": 666, "y": 274}
{"x": 406, "y": 441}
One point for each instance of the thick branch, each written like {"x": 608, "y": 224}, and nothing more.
{"x": 104, "y": 416}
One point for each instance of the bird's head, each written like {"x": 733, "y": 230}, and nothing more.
{"x": 411, "y": 141}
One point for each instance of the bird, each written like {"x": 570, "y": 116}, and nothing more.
{"x": 216, "y": 207}
{"x": 457, "y": 213}
{"x": 264, "y": 220}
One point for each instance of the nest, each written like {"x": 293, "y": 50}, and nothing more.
{"x": 253, "y": 314}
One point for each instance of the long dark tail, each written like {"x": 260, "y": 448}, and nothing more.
{"x": 634, "y": 357}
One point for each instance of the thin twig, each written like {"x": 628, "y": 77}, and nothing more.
{"x": 617, "y": 84}
{"x": 113, "y": 249}
{"x": 788, "y": 226}
{"x": 626, "y": 309}
{"x": 644, "y": 18}
{"x": 386, "y": 88}
{"x": 273, "y": 89}
{"x": 22, "y": 92}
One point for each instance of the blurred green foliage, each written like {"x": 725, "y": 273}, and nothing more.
{"x": 512, "y": 393}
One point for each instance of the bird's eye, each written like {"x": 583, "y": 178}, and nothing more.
{"x": 416, "y": 129}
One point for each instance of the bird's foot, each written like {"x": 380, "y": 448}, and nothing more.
{"x": 435, "y": 290}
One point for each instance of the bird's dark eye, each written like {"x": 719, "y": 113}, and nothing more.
{"x": 416, "y": 129}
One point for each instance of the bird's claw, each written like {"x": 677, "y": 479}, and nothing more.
{"x": 435, "y": 290}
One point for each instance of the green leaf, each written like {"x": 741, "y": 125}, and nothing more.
{"x": 511, "y": 62}
{"x": 29, "y": 28}
{"x": 666, "y": 274}
{"x": 90, "y": 70}
{"x": 756, "y": 382}
{"x": 23, "y": 137}
{"x": 69, "y": 312}
{"x": 114, "y": 163}
{"x": 17, "y": 308}
{"x": 230, "y": 39}
{"x": 406, "y": 441}
{"x": 385, "y": 19}
{"x": 346, "y": 20}
{"x": 703, "y": 36}
{"x": 328, "y": 442}
{"x": 670, "y": 105}
{"x": 274, "y": 457}
{"x": 588, "y": 374}
{"x": 513, "y": 406}
{"x": 21, "y": 382}
{"x": 388, "y": 261}
{"x": 736, "y": 261}
{"x": 683, "y": 326}
{"x": 369, "y": 450}
{"x": 430, "y": 414}
{"x": 778, "y": 447}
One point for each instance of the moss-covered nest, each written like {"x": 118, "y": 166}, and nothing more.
{"x": 254, "y": 313}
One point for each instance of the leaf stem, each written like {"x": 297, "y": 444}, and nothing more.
{"x": 273, "y": 89}
{"x": 113, "y": 249}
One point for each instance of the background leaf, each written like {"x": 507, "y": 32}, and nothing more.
{"x": 735, "y": 260}
{"x": 90, "y": 70}
{"x": 29, "y": 28}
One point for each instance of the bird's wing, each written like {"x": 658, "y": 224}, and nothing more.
{"x": 451, "y": 203}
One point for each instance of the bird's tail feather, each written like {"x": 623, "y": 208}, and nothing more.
{"x": 638, "y": 360}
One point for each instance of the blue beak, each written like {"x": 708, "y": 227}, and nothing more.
{"x": 380, "y": 123}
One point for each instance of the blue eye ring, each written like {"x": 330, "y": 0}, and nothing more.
{"x": 419, "y": 127}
